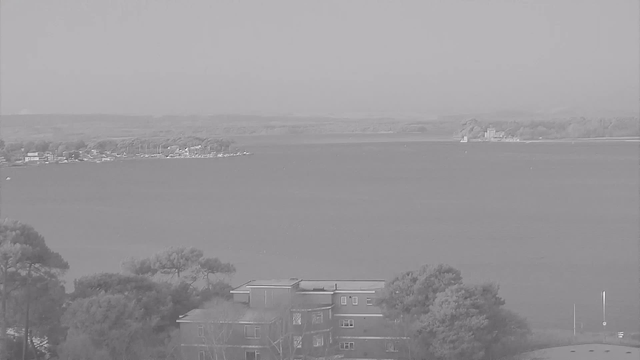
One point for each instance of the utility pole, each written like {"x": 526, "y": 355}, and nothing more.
{"x": 604, "y": 318}
{"x": 574, "y": 320}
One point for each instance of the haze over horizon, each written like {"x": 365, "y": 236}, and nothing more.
{"x": 281, "y": 57}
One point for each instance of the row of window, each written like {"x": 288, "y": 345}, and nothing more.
{"x": 253, "y": 332}
{"x": 391, "y": 346}
{"x": 316, "y": 318}
{"x": 318, "y": 340}
{"x": 354, "y": 300}
{"x": 250, "y": 331}
{"x": 347, "y": 323}
{"x": 248, "y": 355}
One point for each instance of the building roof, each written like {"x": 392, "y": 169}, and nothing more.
{"x": 306, "y": 306}
{"x": 244, "y": 288}
{"x": 240, "y": 313}
{"x": 274, "y": 282}
{"x": 314, "y": 285}
{"x": 341, "y": 285}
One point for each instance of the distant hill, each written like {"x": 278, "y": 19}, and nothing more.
{"x": 93, "y": 127}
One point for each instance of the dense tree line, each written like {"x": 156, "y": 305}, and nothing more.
{"x": 127, "y": 315}
{"x": 17, "y": 150}
{"x": 575, "y": 128}
{"x": 445, "y": 319}
{"x": 132, "y": 314}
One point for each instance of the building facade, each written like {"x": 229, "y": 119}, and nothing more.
{"x": 293, "y": 319}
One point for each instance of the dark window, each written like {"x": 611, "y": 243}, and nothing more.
{"x": 252, "y": 332}
{"x": 318, "y": 340}
{"x": 316, "y": 318}
{"x": 347, "y": 346}
{"x": 347, "y": 323}
{"x": 252, "y": 355}
{"x": 392, "y": 346}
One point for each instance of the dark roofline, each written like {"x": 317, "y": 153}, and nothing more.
{"x": 343, "y": 280}
{"x": 296, "y": 282}
{"x": 239, "y": 286}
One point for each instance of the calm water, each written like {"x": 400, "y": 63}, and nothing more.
{"x": 554, "y": 224}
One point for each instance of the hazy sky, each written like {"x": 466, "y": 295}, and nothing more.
{"x": 428, "y": 56}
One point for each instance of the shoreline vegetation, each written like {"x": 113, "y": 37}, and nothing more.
{"x": 37, "y": 139}
{"x": 92, "y": 128}
{"x": 52, "y": 152}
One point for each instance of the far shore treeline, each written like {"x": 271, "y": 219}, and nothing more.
{"x": 16, "y": 151}
{"x": 132, "y": 314}
{"x": 525, "y": 126}
{"x": 575, "y": 128}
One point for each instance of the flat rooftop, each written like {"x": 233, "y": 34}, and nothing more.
{"x": 314, "y": 285}
{"x": 340, "y": 285}
{"x": 273, "y": 282}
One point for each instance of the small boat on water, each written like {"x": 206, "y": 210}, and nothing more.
{"x": 464, "y": 139}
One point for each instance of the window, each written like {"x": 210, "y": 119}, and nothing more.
{"x": 201, "y": 330}
{"x": 252, "y": 355}
{"x": 354, "y": 300}
{"x": 297, "y": 342}
{"x": 316, "y": 318}
{"x": 347, "y": 323}
{"x": 318, "y": 340}
{"x": 391, "y": 346}
{"x": 201, "y": 355}
{"x": 252, "y": 332}
{"x": 343, "y": 300}
{"x": 297, "y": 318}
{"x": 369, "y": 301}
{"x": 347, "y": 346}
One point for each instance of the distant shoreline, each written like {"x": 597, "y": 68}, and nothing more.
{"x": 351, "y": 138}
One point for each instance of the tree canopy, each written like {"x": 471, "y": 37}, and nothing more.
{"x": 447, "y": 319}
{"x": 23, "y": 256}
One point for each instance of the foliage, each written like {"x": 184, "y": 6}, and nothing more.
{"x": 17, "y": 150}
{"x": 180, "y": 264}
{"x": 133, "y": 314}
{"x": 573, "y": 128}
{"x": 150, "y": 298}
{"x": 47, "y": 300}
{"x": 81, "y": 347}
{"x": 446, "y": 319}
{"x": 111, "y": 322}
{"x": 412, "y": 292}
{"x": 23, "y": 256}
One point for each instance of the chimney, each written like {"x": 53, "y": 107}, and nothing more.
{"x": 335, "y": 286}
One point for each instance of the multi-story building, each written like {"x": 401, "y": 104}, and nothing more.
{"x": 293, "y": 319}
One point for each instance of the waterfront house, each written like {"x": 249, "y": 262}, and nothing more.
{"x": 32, "y": 156}
{"x": 293, "y": 319}
{"x": 492, "y": 134}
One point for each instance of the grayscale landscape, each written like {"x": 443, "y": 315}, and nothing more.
{"x": 149, "y": 176}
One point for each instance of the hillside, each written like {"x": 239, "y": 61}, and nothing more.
{"x": 15, "y": 128}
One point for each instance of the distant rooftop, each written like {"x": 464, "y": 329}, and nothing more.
{"x": 341, "y": 285}
{"x": 274, "y": 282}
{"x": 315, "y": 285}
